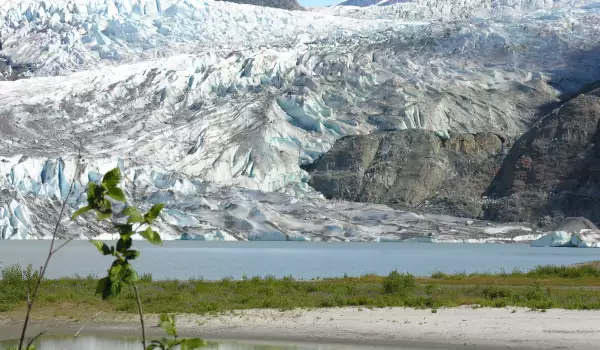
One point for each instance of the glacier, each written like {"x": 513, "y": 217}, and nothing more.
{"x": 213, "y": 107}
{"x": 581, "y": 239}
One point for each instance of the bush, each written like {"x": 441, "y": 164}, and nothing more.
{"x": 438, "y": 275}
{"x": 536, "y": 293}
{"x": 146, "y": 277}
{"x": 396, "y": 282}
{"x": 19, "y": 279}
{"x": 495, "y": 292}
{"x": 564, "y": 271}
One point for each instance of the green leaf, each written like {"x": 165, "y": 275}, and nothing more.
{"x": 155, "y": 345}
{"x": 134, "y": 215}
{"x": 104, "y": 287}
{"x": 117, "y": 272}
{"x": 105, "y": 205}
{"x": 151, "y": 236}
{"x": 192, "y": 343}
{"x": 124, "y": 229}
{"x": 80, "y": 211}
{"x": 101, "y": 284}
{"x": 117, "y": 194}
{"x": 104, "y": 210}
{"x": 101, "y": 215}
{"x": 115, "y": 289}
{"x": 131, "y": 254}
{"x": 101, "y": 246}
{"x": 111, "y": 179}
{"x": 153, "y": 213}
{"x": 173, "y": 343}
{"x": 93, "y": 193}
{"x": 167, "y": 322}
{"x": 124, "y": 243}
{"x": 131, "y": 276}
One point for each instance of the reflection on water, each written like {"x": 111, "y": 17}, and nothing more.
{"x": 124, "y": 343}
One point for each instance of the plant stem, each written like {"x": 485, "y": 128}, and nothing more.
{"x": 85, "y": 325}
{"x": 51, "y": 251}
{"x": 139, "y": 305}
{"x": 34, "y": 339}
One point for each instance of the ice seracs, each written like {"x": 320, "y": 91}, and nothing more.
{"x": 582, "y": 239}
{"x": 15, "y": 221}
{"x": 554, "y": 239}
{"x": 211, "y": 107}
{"x": 571, "y": 232}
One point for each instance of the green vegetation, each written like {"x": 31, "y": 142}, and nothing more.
{"x": 27, "y": 284}
{"x": 167, "y": 322}
{"x": 22, "y": 287}
{"x": 121, "y": 273}
{"x": 396, "y": 283}
{"x": 542, "y": 288}
{"x": 584, "y": 275}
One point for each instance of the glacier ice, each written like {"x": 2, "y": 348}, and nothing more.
{"x": 582, "y": 239}
{"x": 553, "y": 239}
{"x": 211, "y": 107}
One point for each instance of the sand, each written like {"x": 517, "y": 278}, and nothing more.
{"x": 450, "y": 328}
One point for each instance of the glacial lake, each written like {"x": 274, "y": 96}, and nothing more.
{"x": 305, "y": 260}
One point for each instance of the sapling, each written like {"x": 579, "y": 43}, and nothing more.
{"x": 100, "y": 198}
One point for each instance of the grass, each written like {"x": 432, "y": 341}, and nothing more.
{"x": 542, "y": 288}
{"x": 585, "y": 275}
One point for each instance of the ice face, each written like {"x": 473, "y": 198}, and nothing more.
{"x": 190, "y": 93}
{"x": 582, "y": 239}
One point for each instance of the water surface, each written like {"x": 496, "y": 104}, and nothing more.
{"x": 216, "y": 260}
{"x": 88, "y": 342}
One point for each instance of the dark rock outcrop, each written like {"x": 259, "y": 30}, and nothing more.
{"x": 575, "y": 225}
{"x": 411, "y": 169}
{"x": 291, "y": 5}
{"x": 553, "y": 171}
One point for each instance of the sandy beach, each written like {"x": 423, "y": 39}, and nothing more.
{"x": 451, "y": 328}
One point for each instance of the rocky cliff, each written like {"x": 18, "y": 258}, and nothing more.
{"x": 551, "y": 172}
{"x": 291, "y": 5}
{"x": 412, "y": 169}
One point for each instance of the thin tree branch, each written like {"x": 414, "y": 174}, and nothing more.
{"x": 36, "y": 290}
{"x": 139, "y": 305}
{"x": 30, "y": 343}
{"x": 62, "y": 245}
{"x": 85, "y": 325}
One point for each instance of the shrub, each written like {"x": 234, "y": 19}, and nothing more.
{"x": 564, "y": 271}
{"x": 17, "y": 281}
{"x": 495, "y": 292}
{"x": 439, "y": 275}
{"x": 396, "y": 282}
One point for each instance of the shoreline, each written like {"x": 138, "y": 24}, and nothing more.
{"x": 447, "y": 328}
